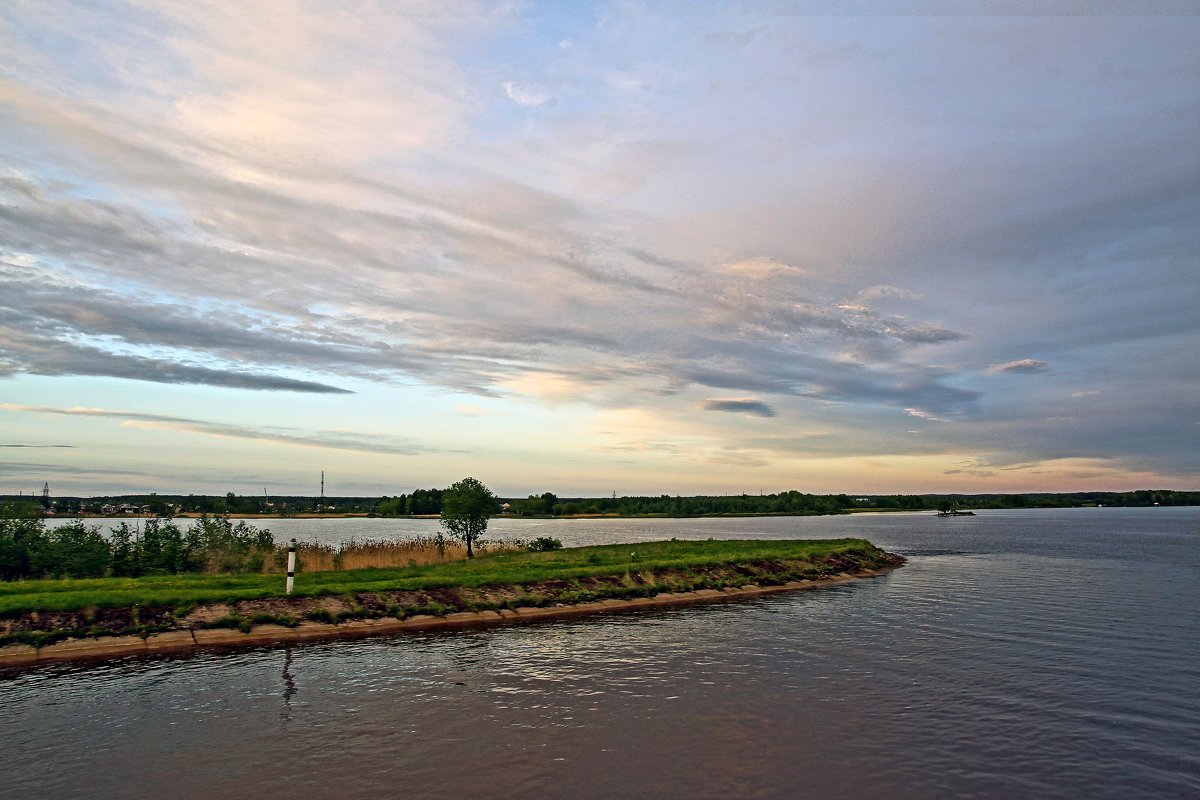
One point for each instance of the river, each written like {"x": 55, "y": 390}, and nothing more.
{"x": 1033, "y": 653}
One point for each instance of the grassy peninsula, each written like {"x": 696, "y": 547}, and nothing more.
{"x": 38, "y": 613}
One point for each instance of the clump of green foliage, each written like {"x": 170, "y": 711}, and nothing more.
{"x": 28, "y": 549}
{"x": 544, "y": 544}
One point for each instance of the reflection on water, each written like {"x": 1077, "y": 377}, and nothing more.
{"x": 1030, "y": 654}
{"x": 289, "y": 682}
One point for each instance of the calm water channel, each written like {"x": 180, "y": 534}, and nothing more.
{"x": 1019, "y": 654}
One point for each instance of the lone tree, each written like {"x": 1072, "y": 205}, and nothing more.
{"x": 466, "y": 506}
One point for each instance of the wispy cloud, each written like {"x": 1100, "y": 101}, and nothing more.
{"x": 39, "y": 446}
{"x": 755, "y": 408}
{"x": 1026, "y": 365}
{"x": 976, "y": 468}
{"x": 529, "y": 95}
{"x": 334, "y": 440}
{"x": 23, "y": 469}
{"x": 881, "y": 291}
{"x": 58, "y": 324}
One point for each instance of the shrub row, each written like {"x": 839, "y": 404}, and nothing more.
{"x": 28, "y": 549}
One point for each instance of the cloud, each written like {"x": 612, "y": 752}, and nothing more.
{"x": 529, "y": 95}
{"x": 23, "y": 469}
{"x": 350, "y": 201}
{"x": 224, "y": 276}
{"x": 755, "y": 408}
{"x": 334, "y": 440}
{"x": 760, "y": 268}
{"x": 39, "y": 446}
{"x": 670, "y": 448}
{"x": 971, "y": 468}
{"x": 881, "y": 291}
{"x": 55, "y": 331}
{"x": 471, "y": 410}
{"x": 63, "y": 325}
{"x": 923, "y": 334}
{"x": 1025, "y": 365}
{"x": 735, "y": 457}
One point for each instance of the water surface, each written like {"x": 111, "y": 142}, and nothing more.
{"x": 1019, "y": 654}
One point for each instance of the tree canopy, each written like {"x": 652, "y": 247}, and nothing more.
{"x": 466, "y": 507}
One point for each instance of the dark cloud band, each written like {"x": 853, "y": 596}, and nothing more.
{"x": 755, "y": 408}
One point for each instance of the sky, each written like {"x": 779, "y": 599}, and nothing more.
{"x": 660, "y": 248}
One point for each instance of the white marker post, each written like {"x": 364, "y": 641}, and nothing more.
{"x": 291, "y": 578}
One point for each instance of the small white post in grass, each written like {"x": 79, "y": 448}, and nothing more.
{"x": 291, "y": 578}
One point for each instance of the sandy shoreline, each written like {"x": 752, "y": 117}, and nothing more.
{"x": 181, "y": 641}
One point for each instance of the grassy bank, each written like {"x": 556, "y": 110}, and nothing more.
{"x": 45, "y": 610}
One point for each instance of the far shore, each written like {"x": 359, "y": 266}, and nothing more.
{"x": 366, "y": 515}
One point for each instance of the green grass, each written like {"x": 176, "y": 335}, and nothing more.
{"x": 509, "y": 569}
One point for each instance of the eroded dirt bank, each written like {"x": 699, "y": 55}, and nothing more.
{"x": 38, "y": 638}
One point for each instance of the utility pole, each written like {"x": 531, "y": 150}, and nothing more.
{"x": 321, "y": 507}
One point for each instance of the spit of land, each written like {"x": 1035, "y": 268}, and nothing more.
{"x": 53, "y": 620}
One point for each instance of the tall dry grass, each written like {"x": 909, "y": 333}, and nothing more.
{"x": 315, "y": 557}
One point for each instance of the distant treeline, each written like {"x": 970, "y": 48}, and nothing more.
{"x": 429, "y": 501}
{"x": 217, "y": 505}
{"x": 800, "y": 503}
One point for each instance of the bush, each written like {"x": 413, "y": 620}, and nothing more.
{"x": 125, "y": 560}
{"x": 225, "y": 547}
{"x": 20, "y": 535}
{"x": 71, "y": 551}
{"x": 163, "y": 549}
{"x": 544, "y": 544}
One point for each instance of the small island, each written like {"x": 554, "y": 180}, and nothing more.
{"x": 44, "y": 621}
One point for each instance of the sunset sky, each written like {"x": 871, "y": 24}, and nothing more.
{"x": 598, "y": 247}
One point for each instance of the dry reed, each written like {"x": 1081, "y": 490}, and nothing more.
{"x": 314, "y": 557}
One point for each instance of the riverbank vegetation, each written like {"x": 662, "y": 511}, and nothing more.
{"x": 29, "y": 549}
